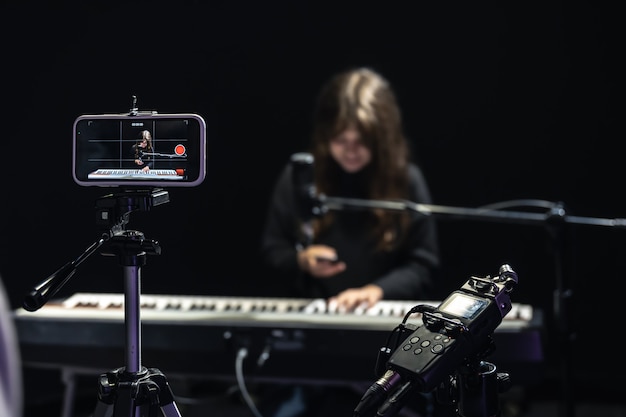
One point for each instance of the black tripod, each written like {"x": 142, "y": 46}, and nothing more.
{"x": 133, "y": 390}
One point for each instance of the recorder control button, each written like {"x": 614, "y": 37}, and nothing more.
{"x": 438, "y": 348}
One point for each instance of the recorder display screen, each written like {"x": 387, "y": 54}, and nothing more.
{"x": 150, "y": 150}
{"x": 463, "y": 305}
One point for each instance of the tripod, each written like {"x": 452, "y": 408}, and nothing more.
{"x": 132, "y": 390}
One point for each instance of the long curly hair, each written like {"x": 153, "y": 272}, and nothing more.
{"x": 364, "y": 99}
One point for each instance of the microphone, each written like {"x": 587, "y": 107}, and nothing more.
{"x": 376, "y": 394}
{"x": 303, "y": 184}
{"x": 305, "y": 199}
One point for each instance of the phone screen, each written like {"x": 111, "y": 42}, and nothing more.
{"x": 150, "y": 150}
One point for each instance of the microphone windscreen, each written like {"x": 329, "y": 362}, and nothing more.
{"x": 303, "y": 184}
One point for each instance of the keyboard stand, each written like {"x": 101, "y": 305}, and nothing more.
{"x": 69, "y": 375}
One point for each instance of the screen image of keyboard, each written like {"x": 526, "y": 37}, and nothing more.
{"x": 169, "y": 174}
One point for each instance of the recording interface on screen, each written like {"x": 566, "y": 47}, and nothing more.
{"x": 159, "y": 150}
{"x": 463, "y": 305}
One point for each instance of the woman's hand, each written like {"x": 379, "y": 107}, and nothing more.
{"x": 320, "y": 261}
{"x": 356, "y": 298}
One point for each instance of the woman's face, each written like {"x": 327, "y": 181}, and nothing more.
{"x": 348, "y": 149}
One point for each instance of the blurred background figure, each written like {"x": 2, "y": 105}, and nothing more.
{"x": 352, "y": 258}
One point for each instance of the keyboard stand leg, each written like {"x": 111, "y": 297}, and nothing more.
{"x": 69, "y": 380}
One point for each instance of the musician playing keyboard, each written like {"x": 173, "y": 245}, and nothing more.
{"x": 142, "y": 150}
{"x": 352, "y": 258}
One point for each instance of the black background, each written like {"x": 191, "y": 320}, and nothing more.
{"x": 502, "y": 101}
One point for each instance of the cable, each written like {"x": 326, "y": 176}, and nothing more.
{"x": 241, "y": 355}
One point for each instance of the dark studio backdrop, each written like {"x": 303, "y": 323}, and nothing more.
{"x": 501, "y": 101}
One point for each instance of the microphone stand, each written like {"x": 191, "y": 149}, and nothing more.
{"x": 475, "y": 388}
{"x": 554, "y": 218}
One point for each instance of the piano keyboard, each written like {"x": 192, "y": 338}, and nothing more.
{"x": 200, "y": 335}
{"x": 385, "y": 314}
{"x": 111, "y": 174}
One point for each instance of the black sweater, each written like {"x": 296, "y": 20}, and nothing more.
{"x": 403, "y": 274}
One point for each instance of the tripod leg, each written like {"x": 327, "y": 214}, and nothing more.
{"x": 164, "y": 393}
{"x": 103, "y": 410}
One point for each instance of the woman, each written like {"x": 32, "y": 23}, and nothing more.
{"x": 360, "y": 151}
{"x": 351, "y": 258}
{"x": 142, "y": 151}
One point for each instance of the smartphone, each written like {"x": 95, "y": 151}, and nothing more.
{"x": 139, "y": 149}
{"x": 329, "y": 260}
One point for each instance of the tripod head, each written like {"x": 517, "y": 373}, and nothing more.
{"x": 112, "y": 215}
{"x": 113, "y": 210}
